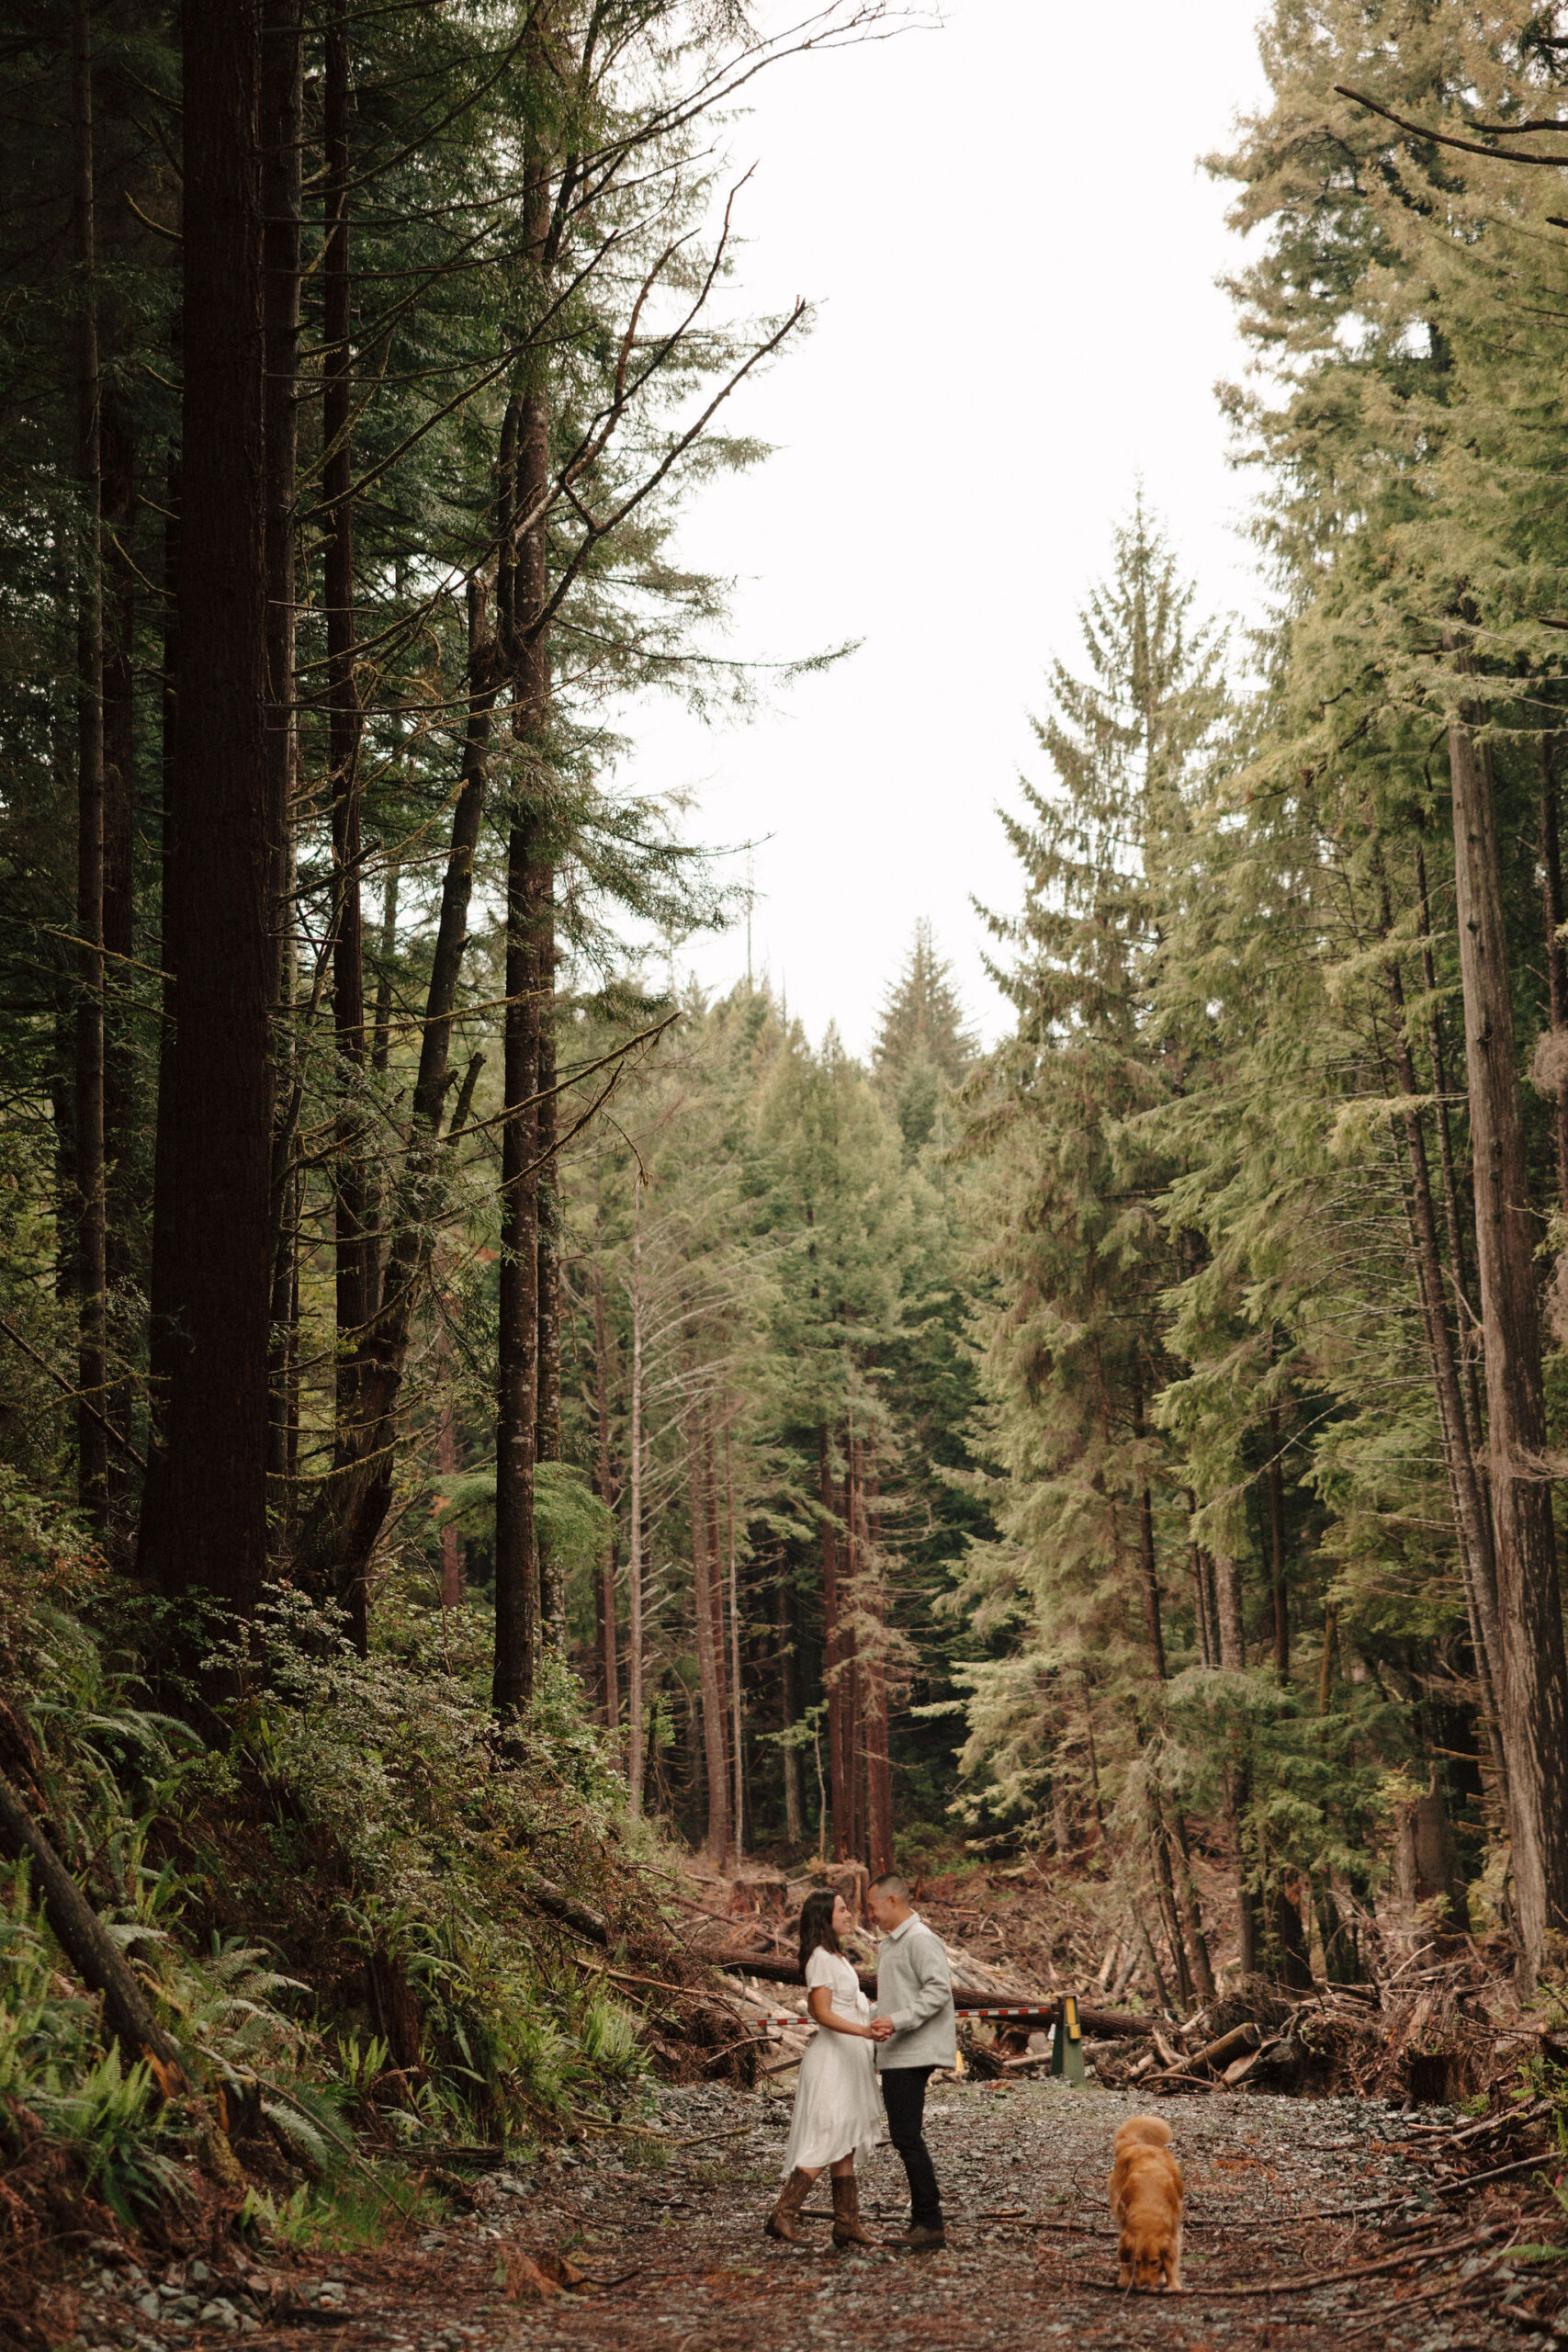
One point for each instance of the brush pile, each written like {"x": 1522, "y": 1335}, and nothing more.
{"x": 1427, "y": 2036}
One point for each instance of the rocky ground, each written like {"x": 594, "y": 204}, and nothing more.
{"x": 659, "y": 2243}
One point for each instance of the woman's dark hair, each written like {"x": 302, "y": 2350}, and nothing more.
{"x": 817, "y": 1926}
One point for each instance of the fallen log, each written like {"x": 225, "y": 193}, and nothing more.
{"x": 1234, "y": 2044}
{"x": 564, "y": 1906}
{"x": 1023, "y": 2008}
{"x": 87, "y": 1943}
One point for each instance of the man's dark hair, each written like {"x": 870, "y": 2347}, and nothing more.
{"x": 891, "y": 1883}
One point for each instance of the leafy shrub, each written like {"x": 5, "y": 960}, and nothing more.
{"x": 332, "y": 1910}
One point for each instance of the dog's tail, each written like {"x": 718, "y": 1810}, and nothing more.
{"x": 1148, "y": 2131}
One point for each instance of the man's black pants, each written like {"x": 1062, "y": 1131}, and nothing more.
{"x": 904, "y": 2096}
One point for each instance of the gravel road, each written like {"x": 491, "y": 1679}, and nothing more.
{"x": 673, "y": 2254}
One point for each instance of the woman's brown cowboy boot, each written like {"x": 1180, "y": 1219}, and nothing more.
{"x": 847, "y": 2230}
{"x": 780, "y": 2222}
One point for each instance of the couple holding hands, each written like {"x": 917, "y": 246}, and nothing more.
{"x": 913, "y": 2032}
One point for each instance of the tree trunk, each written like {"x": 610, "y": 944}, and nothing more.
{"x": 789, "y": 1711}
{"x": 636, "y": 1746}
{"x": 705, "y": 1609}
{"x": 1151, "y": 1960}
{"x": 210, "y": 1528}
{"x": 375, "y": 1188}
{"x": 523, "y": 587}
{"x": 1290, "y": 1935}
{"x": 737, "y": 1693}
{"x": 716, "y": 1587}
{"x": 1325, "y": 1664}
{"x": 1227, "y": 1609}
{"x": 1192, "y": 1912}
{"x": 1203, "y": 1602}
{"x": 609, "y": 1660}
{"x": 351, "y": 1236}
{"x": 1235, "y": 1781}
{"x": 1165, "y": 1885}
{"x": 552, "y": 1574}
{"x": 872, "y": 1608}
{"x": 516, "y": 1550}
{"x": 1148, "y": 1567}
{"x": 92, "y": 1269}
{"x": 832, "y": 1652}
{"x": 1093, "y": 1758}
{"x": 1277, "y": 1545}
{"x": 124, "y": 1242}
{"x": 162, "y": 1346}
{"x": 1533, "y": 1681}
{"x": 1464, "y": 1314}
{"x": 282, "y": 101}
{"x": 850, "y": 1655}
{"x": 1556, "y": 956}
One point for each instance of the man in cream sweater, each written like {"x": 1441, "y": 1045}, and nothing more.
{"x": 915, "y": 2033}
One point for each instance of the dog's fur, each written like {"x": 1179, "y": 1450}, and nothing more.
{"x": 1145, "y": 2204}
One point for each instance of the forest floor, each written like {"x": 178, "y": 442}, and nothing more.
{"x": 661, "y": 2245}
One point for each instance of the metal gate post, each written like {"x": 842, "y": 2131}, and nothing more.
{"x": 1067, "y": 2043}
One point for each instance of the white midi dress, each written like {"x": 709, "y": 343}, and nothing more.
{"x": 837, "y": 2110}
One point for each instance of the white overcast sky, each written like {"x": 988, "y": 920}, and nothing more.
{"x": 1012, "y": 257}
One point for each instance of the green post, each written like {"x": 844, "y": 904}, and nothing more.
{"x": 1067, "y": 2043}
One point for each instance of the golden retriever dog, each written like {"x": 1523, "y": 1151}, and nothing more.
{"x": 1146, "y": 2205}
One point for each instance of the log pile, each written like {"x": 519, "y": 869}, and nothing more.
{"x": 1422, "y": 2038}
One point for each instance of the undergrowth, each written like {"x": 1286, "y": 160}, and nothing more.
{"x": 330, "y": 1899}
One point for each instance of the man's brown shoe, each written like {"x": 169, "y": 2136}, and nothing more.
{"x": 919, "y": 2239}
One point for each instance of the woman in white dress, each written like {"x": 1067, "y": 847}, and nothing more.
{"x": 838, "y": 2115}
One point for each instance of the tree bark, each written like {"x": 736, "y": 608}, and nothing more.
{"x": 716, "y": 1585}
{"x": 705, "y": 1605}
{"x": 210, "y": 1530}
{"x": 1148, "y": 1567}
{"x": 832, "y": 1652}
{"x": 1277, "y": 1543}
{"x": 1556, "y": 955}
{"x": 608, "y": 1631}
{"x": 850, "y": 1657}
{"x": 1533, "y": 1681}
{"x": 1165, "y": 1885}
{"x": 1454, "y": 1222}
{"x": 1235, "y": 1780}
{"x": 789, "y": 1711}
{"x": 737, "y": 1692}
{"x": 350, "y": 1222}
{"x": 160, "y": 1334}
{"x": 1192, "y": 1912}
{"x": 873, "y": 1610}
{"x": 525, "y": 587}
{"x": 517, "y": 1388}
{"x": 1227, "y": 1610}
{"x": 124, "y": 1238}
{"x": 552, "y": 1575}
{"x": 91, "y": 1267}
{"x": 282, "y": 101}
{"x": 636, "y": 1745}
